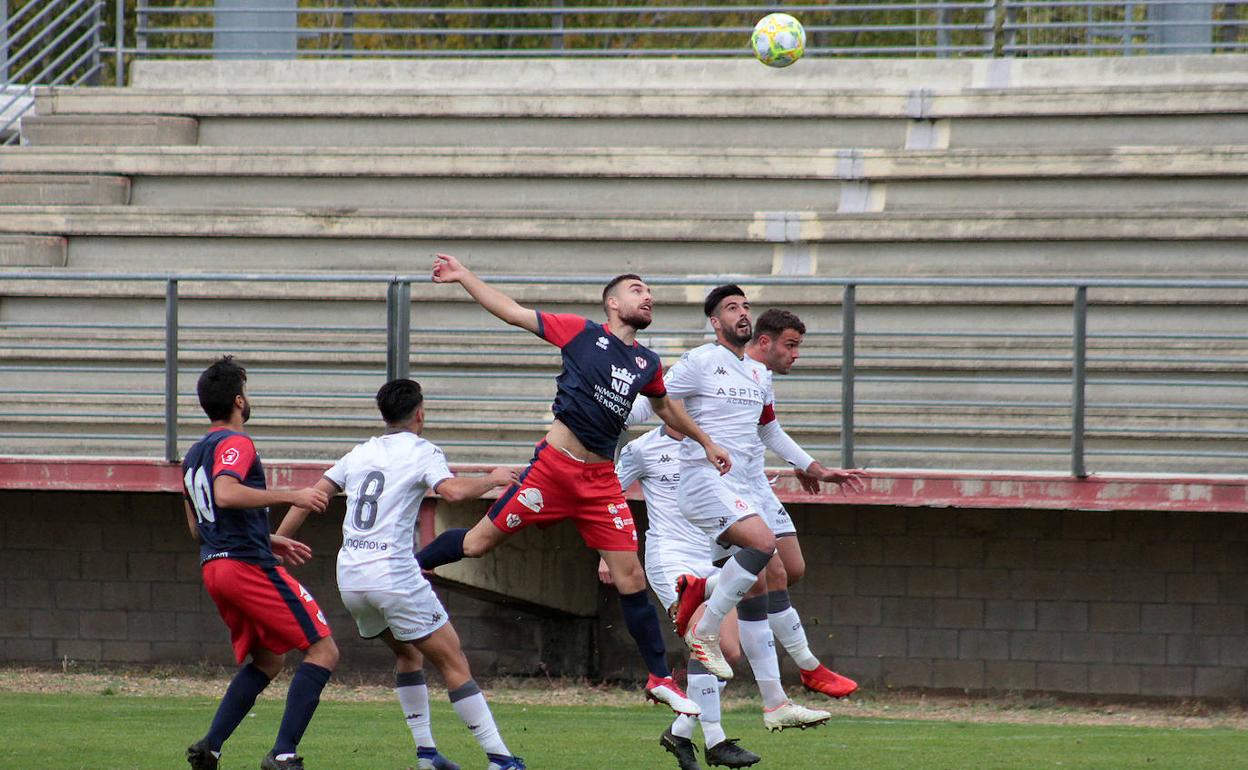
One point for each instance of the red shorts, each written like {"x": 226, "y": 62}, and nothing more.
{"x": 263, "y": 606}
{"x": 556, "y": 487}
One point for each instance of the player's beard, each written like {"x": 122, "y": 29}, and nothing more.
{"x": 246, "y": 411}
{"x": 637, "y": 320}
{"x": 738, "y": 335}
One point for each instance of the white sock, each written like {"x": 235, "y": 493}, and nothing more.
{"x": 734, "y": 581}
{"x": 414, "y": 699}
{"x": 760, "y": 649}
{"x": 471, "y": 707}
{"x": 704, "y": 691}
{"x": 711, "y": 582}
{"x": 683, "y": 726}
{"x": 787, "y": 628}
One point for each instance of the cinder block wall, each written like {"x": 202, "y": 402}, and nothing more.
{"x": 114, "y": 578}
{"x": 1125, "y": 603}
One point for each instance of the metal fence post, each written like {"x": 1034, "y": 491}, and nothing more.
{"x": 398, "y": 329}
{"x": 171, "y": 370}
{"x": 848, "y": 332}
{"x": 119, "y": 48}
{"x": 1079, "y": 382}
{"x": 4, "y": 42}
{"x": 556, "y": 24}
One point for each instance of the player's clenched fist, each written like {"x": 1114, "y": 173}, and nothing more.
{"x": 719, "y": 457}
{"x": 311, "y": 498}
{"x": 447, "y": 269}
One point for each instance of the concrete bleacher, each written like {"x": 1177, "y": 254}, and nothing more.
{"x": 1098, "y": 168}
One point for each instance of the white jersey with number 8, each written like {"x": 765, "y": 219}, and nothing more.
{"x": 385, "y": 479}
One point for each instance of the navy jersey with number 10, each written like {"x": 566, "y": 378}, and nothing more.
{"x": 226, "y": 533}
{"x": 601, "y": 378}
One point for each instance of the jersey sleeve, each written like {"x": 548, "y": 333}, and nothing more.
{"x": 631, "y": 466}
{"x": 338, "y": 474}
{"x": 559, "y": 328}
{"x": 682, "y": 379}
{"x": 436, "y": 469}
{"x": 775, "y": 439}
{"x": 656, "y": 388}
{"x": 233, "y": 457}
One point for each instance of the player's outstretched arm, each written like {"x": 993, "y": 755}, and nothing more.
{"x": 448, "y": 269}
{"x": 229, "y": 492}
{"x": 459, "y": 488}
{"x": 847, "y": 480}
{"x": 673, "y": 414}
{"x": 298, "y": 514}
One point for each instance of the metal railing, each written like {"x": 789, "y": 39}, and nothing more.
{"x": 844, "y": 384}
{"x": 51, "y": 42}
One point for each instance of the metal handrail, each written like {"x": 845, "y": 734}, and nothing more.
{"x": 397, "y": 353}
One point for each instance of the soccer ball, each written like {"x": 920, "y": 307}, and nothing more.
{"x": 778, "y": 40}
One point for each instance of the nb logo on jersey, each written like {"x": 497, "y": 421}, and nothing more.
{"x": 721, "y": 370}
{"x": 532, "y": 499}
{"x": 621, "y": 380}
{"x": 602, "y": 343}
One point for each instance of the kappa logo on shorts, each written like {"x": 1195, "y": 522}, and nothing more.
{"x": 723, "y": 521}
{"x": 531, "y": 498}
{"x": 513, "y": 520}
{"x": 303, "y": 593}
{"x": 436, "y": 617}
{"x": 229, "y": 456}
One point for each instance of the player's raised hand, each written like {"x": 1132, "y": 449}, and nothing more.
{"x": 291, "y": 552}
{"x": 504, "y": 477}
{"x": 311, "y": 498}
{"x": 447, "y": 269}
{"x": 719, "y": 457}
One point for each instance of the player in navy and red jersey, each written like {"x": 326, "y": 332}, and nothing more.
{"x": 267, "y": 611}
{"x": 572, "y": 475}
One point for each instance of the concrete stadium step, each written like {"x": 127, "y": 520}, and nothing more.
{"x": 34, "y": 189}
{"x": 109, "y": 130}
{"x": 32, "y": 251}
{"x": 613, "y": 179}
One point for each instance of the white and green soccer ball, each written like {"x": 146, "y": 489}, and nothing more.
{"x": 778, "y": 40}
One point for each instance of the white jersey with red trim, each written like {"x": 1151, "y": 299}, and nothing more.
{"x": 654, "y": 459}
{"x": 385, "y": 479}
{"x": 728, "y": 399}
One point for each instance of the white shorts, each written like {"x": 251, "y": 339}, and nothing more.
{"x": 411, "y": 615}
{"x": 668, "y": 560}
{"x": 710, "y": 503}
{"x": 774, "y": 513}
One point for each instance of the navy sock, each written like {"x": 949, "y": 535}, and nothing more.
{"x": 642, "y": 620}
{"x": 239, "y": 697}
{"x": 446, "y": 548}
{"x": 301, "y": 702}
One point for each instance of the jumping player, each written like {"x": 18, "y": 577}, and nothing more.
{"x": 381, "y": 584}
{"x": 267, "y": 611}
{"x": 572, "y": 475}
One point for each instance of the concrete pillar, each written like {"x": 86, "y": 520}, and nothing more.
{"x": 1196, "y": 34}
{"x": 239, "y": 38}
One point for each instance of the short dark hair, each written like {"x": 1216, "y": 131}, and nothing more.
{"x": 616, "y": 281}
{"x": 398, "y": 399}
{"x": 218, "y": 385}
{"x": 717, "y": 296}
{"x": 774, "y": 321}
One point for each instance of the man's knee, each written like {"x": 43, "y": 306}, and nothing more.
{"x": 323, "y": 653}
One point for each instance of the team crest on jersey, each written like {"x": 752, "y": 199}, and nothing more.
{"x": 754, "y": 374}
{"x": 513, "y": 520}
{"x": 603, "y": 343}
{"x": 641, "y": 362}
{"x": 230, "y": 456}
{"x": 531, "y": 498}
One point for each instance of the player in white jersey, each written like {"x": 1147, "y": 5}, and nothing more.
{"x": 381, "y": 583}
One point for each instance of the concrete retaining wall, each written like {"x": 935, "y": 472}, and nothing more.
{"x": 1122, "y": 603}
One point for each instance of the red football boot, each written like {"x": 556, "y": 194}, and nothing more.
{"x": 828, "y": 682}
{"x": 690, "y": 594}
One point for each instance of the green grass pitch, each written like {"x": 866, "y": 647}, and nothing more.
{"x": 64, "y": 732}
